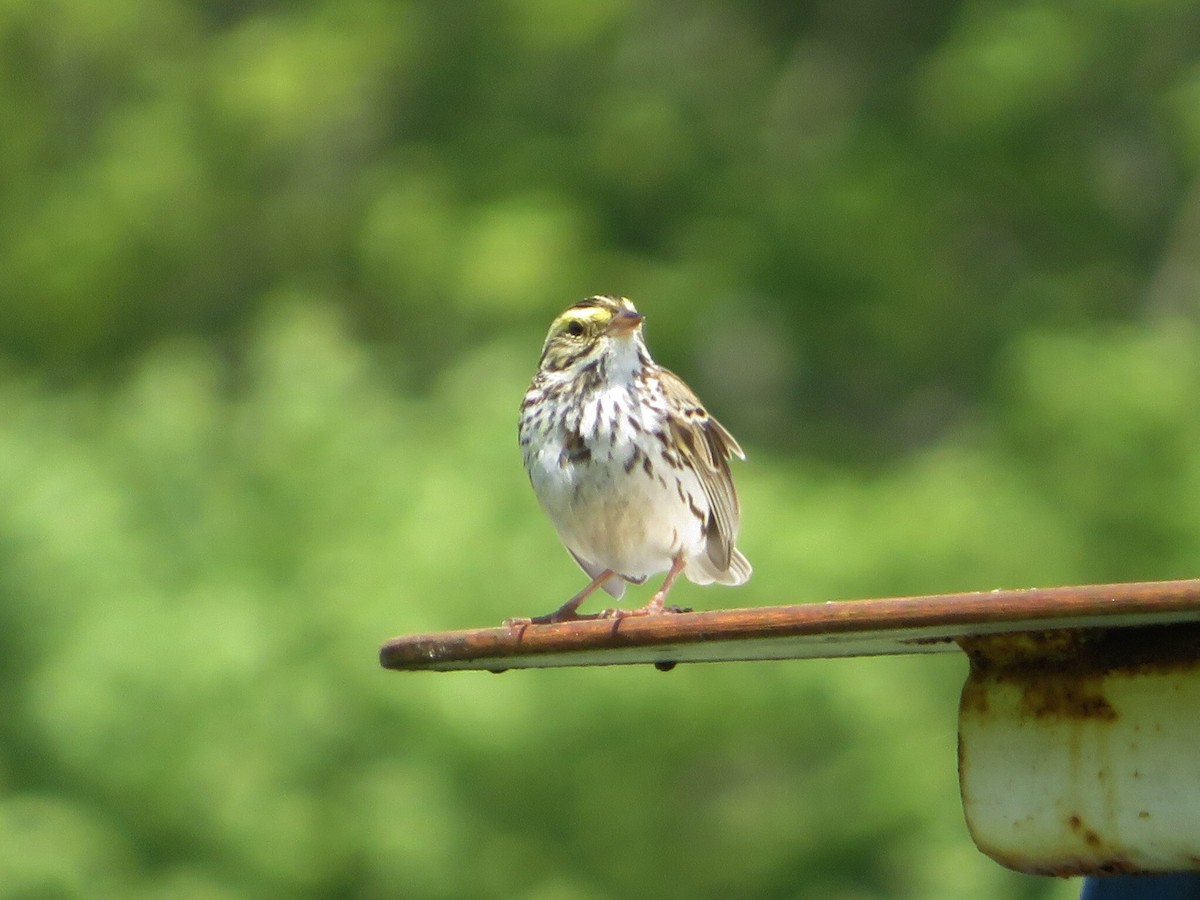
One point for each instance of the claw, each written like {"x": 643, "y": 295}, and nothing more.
{"x": 650, "y": 609}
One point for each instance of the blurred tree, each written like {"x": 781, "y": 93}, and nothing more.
{"x": 273, "y": 278}
{"x": 895, "y": 193}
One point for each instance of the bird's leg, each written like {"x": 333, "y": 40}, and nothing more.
{"x": 656, "y": 606}
{"x": 566, "y": 612}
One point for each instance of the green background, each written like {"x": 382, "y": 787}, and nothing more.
{"x": 273, "y": 278}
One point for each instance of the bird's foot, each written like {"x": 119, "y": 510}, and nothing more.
{"x": 566, "y": 612}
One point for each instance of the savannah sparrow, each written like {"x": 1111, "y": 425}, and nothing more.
{"x": 630, "y": 468}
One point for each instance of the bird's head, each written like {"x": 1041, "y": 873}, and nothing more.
{"x": 596, "y": 328}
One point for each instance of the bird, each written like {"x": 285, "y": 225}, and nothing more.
{"x": 627, "y": 463}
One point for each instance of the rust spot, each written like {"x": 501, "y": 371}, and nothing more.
{"x": 1067, "y": 866}
{"x": 974, "y": 698}
{"x": 1061, "y": 674}
{"x": 1095, "y": 652}
{"x": 1144, "y": 814}
{"x": 1119, "y": 867}
{"x": 1058, "y": 697}
{"x": 1002, "y": 653}
{"x": 1090, "y": 837}
{"x": 929, "y": 641}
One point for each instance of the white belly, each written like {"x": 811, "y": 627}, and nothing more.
{"x": 631, "y": 522}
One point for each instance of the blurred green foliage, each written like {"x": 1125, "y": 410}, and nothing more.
{"x": 272, "y": 281}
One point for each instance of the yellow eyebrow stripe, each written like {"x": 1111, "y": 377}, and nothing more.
{"x": 586, "y": 313}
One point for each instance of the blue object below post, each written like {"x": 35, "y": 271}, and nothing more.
{"x": 1177, "y": 886}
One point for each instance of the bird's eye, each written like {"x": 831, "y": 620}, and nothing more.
{"x": 575, "y": 328}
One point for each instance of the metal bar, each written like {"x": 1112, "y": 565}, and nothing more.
{"x": 832, "y": 629}
{"x": 1077, "y": 726}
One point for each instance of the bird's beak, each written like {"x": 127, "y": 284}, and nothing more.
{"x": 625, "y": 322}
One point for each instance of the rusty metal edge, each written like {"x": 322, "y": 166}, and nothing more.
{"x": 937, "y": 618}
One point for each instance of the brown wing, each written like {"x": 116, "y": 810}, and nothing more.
{"x": 706, "y": 446}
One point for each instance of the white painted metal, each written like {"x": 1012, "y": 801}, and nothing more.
{"x": 1066, "y": 772}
